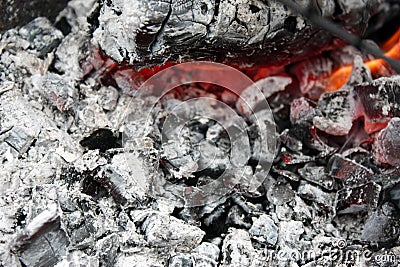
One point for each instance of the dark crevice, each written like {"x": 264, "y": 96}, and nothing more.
{"x": 162, "y": 29}
{"x": 216, "y": 8}
{"x": 102, "y": 139}
{"x": 63, "y": 26}
{"x": 290, "y": 24}
{"x": 204, "y": 8}
{"x": 254, "y": 9}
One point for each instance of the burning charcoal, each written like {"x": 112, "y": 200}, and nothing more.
{"x": 214, "y": 219}
{"x": 317, "y": 175}
{"x": 382, "y": 226}
{"x": 264, "y": 230}
{"x": 338, "y": 112}
{"x": 182, "y": 156}
{"x": 378, "y": 102}
{"x": 164, "y": 230}
{"x": 348, "y": 171}
{"x": 102, "y": 139}
{"x": 130, "y": 177}
{"x": 295, "y": 158}
{"x": 75, "y": 16}
{"x": 57, "y": 90}
{"x": 301, "y": 111}
{"x": 387, "y": 143}
{"x": 108, "y": 180}
{"x": 155, "y": 199}
{"x": 43, "y": 241}
{"x": 361, "y": 156}
{"x": 263, "y": 147}
{"x": 82, "y": 236}
{"x": 356, "y": 199}
{"x": 302, "y": 116}
{"x": 180, "y": 260}
{"x": 237, "y": 249}
{"x": 313, "y": 193}
{"x": 360, "y": 73}
{"x": 309, "y": 72}
{"x": 42, "y": 36}
{"x": 250, "y": 97}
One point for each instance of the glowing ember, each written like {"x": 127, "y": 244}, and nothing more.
{"x": 378, "y": 67}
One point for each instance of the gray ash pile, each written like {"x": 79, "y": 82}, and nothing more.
{"x": 114, "y": 154}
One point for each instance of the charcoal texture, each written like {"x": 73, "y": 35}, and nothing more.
{"x": 95, "y": 172}
{"x": 243, "y": 32}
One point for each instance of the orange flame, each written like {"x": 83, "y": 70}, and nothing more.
{"x": 378, "y": 67}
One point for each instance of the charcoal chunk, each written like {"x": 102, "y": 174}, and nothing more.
{"x": 237, "y": 249}
{"x": 379, "y": 102}
{"x": 57, "y": 89}
{"x": 143, "y": 32}
{"x": 338, "y": 110}
{"x": 19, "y": 139}
{"x": 163, "y": 230}
{"x": 348, "y": 171}
{"x": 387, "y": 143}
{"x": 264, "y": 230}
{"x": 43, "y": 242}
{"x": 356, "y": 199}
{"x": 42, "y": 36}
{"x": 180, "y": 260}
{"x": 382, "y": 226}
{"x": 317, "y": 175}
{"x": 108, "y": 248}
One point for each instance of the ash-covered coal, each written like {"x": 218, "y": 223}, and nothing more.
{"x": 89, "y": 177}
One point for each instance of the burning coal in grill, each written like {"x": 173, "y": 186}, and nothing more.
{"x": 124, "y": 140}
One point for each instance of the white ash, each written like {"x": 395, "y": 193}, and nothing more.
{"x": 264, "y": 230}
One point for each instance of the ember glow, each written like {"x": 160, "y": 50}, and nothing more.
{"x": 378, "y": 67}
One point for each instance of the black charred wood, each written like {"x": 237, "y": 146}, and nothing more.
{"x": 242, "y": 32}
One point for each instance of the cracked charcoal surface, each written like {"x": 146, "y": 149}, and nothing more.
{"x": 76, "y": 191}
{"x": 238, "y": 32}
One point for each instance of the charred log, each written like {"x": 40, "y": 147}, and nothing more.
{"x": 240, "y": 32}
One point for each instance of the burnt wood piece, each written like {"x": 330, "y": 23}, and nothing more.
{"x": 243, "y": 32}
{"x": 19, "y": 12}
